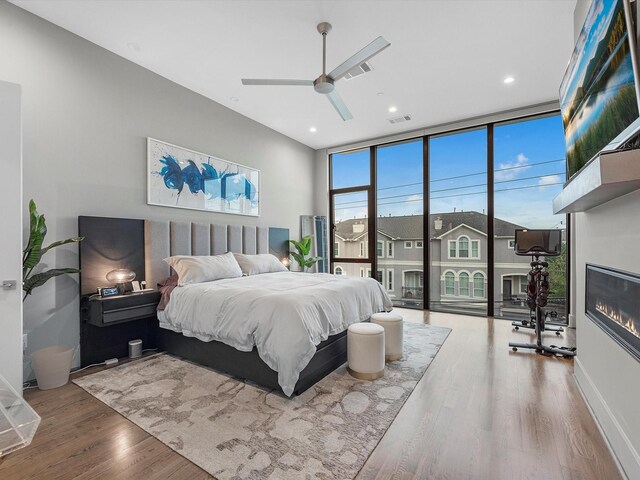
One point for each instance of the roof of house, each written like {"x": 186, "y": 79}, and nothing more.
{"x": 409, "y": 227}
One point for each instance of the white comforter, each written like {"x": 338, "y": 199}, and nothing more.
{"x": 285, "y": 314}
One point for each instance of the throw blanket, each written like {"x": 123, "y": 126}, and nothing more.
{"x": 284, "y": 314}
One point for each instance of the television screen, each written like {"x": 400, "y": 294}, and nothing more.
{"x": 598, "y": 94}
{"x": 538, "y": 242}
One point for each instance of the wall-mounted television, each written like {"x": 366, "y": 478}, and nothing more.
{"x": 599, "y": 94}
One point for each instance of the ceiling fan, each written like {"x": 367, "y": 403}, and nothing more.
{"x": 324, "y": 84}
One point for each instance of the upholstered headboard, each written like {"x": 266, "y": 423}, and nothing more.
{"x": 141, "y": 245}
{"x": 164, "y": 238}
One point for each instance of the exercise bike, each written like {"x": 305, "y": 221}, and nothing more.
{"x": 537, "y": 243}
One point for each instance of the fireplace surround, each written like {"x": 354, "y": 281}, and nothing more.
{"x": 612, "y": 301}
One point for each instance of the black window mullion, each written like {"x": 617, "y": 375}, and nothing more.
{"x": 490, "y": 224}
{"x": 426, "y": 225}
{"x": 373, "y": 208}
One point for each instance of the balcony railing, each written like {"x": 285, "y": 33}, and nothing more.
{"x": 413, "y": 292}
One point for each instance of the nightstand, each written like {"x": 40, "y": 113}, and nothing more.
{"x": 107, "y": 324}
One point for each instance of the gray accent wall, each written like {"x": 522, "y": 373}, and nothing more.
{"x": 87, "y": 113}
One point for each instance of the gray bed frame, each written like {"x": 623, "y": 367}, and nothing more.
{"x": 163, "y": 239}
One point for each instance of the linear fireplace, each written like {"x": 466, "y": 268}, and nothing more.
{"x": 613, "y": 303}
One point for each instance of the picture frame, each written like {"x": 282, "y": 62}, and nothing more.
{"x": 179, "y": 177}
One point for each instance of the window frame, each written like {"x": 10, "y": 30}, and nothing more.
{"x": 390, "y": 281}
{"x": 468, "y": 241}
{"x": 487, "y": 123}
{"x": 453, "y": 243}
{"x": 391, "y": 249}
{"x": 484, "y": 284}
{"x": 460, "y": 276}
{"x": 408, "y": 242}
{"x": 445, "y": 275}
{"x": 477, "y": 255}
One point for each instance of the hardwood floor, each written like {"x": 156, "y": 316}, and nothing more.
{"x": 480, "y": 412}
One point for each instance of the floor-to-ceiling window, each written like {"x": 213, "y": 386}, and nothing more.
{"x": 350, "y": 204}
{"x": 458, "y": 221}
{"x": 399, "y": 222}
{"x": 508, "y": 172}
{"x": 529, "y": 171}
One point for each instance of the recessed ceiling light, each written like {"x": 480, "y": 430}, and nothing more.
{"x": 509, "y": 80}
{"x": 392, "y": 109}
{"x": 234, "y": 99}
{"x": 312, "y": 129}
{"x": 380, "y": 94}
{"x": 133, "y": 46}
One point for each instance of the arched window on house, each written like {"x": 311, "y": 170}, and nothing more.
{"x": 449, "y": 283}
{"x": 339, "y": 271}
{"x": 463, "y": 284}
{"x": 478, "y": 285}
{"x": 463, "y": 247}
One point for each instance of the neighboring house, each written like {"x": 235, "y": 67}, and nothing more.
{"x": 458, "y": 243}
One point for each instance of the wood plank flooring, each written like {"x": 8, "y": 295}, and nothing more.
{"x": 480, "y": 412}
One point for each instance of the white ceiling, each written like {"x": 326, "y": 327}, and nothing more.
{"x": 446, "y": 62}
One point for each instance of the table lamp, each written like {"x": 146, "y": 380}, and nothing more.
{"x": 121, "y": 277}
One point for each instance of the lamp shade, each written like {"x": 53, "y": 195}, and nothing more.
{"x": 121, "y": 275}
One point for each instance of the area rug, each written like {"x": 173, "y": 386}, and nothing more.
{"x": 235, "y": 430}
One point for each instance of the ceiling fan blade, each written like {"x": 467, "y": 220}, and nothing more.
{"x": 339, "y": 105}
{"x": 266, "y": 81}
{"x": 362, "y": 56}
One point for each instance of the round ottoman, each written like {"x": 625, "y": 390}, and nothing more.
{"x": 392, "y": 324}
{"x": 365, "y": 351}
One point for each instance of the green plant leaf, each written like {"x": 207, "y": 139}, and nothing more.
{"x": 37, "y": 232}
{"x": 33, "y": 252}
{"x": 41, "y": 278}
{"x": 299, "y": 258}
{"x": 61, "y": 242}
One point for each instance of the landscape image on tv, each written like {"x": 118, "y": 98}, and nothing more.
{"x": 597, "y": 96}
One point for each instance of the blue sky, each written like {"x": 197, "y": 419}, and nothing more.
{"x": 519, "y": 152}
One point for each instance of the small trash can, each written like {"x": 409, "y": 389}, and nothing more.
{"x": 52, "y": 366}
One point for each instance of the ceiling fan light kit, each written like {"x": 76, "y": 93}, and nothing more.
{"x": 325, "y": 83}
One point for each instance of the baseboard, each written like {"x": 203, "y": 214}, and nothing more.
{"x": 624, "y": 454}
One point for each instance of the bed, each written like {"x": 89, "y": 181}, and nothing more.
{"x": 282, "y": 331}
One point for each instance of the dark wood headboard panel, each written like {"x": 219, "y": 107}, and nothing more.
{"x": 109, "y": 243}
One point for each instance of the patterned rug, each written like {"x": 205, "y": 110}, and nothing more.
{"x": 235, "y": 430}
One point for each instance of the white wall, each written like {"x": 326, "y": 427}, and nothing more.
{"x": 87, "y": 113}
{"x": 11, "y": 238}
{"x": 608, "y": 376}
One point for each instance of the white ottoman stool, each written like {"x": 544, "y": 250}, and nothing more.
{"x": 393, "y": 336}
{"x": 365, "y": 351}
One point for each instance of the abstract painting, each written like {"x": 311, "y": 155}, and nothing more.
{"x": 182, "y": 178}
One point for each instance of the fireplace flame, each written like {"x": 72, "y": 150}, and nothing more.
{"x": 629, "y": 324}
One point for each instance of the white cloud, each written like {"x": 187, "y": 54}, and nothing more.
{"x": 549, "y": 180}
{"x": 507, "y": 171}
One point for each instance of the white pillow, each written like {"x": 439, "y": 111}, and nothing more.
{"x": 261, "y": 263}
{"x": 199, "y": 269}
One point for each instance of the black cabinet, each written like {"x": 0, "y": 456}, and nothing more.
{"x": 107, "y": 324}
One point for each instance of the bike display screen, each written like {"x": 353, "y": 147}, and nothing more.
{"x": 538, "y": 242}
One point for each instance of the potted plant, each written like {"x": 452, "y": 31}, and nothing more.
{"x": 301, "y": 256}
{"x": 51, "y": 364}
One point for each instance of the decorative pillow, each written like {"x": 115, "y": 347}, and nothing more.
{"x": 261, "y": 263}
{"x": 198, "y": 269}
